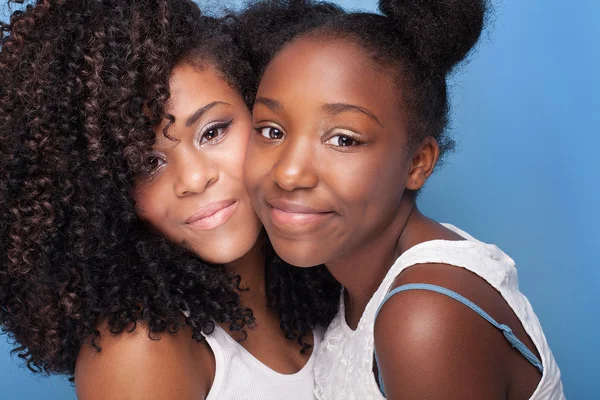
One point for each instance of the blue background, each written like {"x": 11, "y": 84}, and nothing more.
{"x": 525, "y": 176}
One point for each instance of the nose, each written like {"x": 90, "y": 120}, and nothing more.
{"x": 295, "y": 168}
{"x": 195, "y": 174}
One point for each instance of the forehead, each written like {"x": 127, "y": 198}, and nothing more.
{"x": 330, "y": 70}
{"x": 192, "y": 87}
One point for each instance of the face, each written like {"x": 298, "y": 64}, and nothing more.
{"x": 194, "y": 194}
{"x": 328, "y": 162}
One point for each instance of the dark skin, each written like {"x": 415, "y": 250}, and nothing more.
{"x": 202, "y": 168}
{"x": 333, "y": 180}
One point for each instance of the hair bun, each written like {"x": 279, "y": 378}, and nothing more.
{"x": 442, "y": 31}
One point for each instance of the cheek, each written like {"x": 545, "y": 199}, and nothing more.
{"x": 257, "y": 166}
{"x": 229, "y": 157}
{"x": 371, "y": 182}
{"x": 148, "y": 207}
{"x": 235, "y": 161}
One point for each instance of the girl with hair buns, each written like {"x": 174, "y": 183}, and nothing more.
{"x": 130, "y": 255}
{"x": 350, "y": 121}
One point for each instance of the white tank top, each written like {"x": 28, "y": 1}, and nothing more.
{"x": 344, "y": 366}
{"x": 240, "y": 376}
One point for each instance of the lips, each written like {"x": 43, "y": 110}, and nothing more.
{"x": 295, "y": 207}
{"x": 294, "y": 214}
{"x": 212, "y": 215}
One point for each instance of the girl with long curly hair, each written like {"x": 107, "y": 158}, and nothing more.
{"x": 350, "y": 120}
{"x": 130, "y": 256}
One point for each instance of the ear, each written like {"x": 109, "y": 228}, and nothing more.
{"x": 423, "y": 163}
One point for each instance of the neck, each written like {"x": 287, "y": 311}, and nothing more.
{"x": 362, "y": 271}
{"x": 251, "y": 270}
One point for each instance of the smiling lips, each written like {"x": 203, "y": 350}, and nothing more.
{"x": 288, "y": 214}
{"x": 213, "y": 215}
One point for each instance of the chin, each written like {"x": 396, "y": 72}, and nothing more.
{"x": 229, "y": 248}
{"x": 294, "y": 253}
{"x": 225, "y": 254}
{"x": 218, "y": 258}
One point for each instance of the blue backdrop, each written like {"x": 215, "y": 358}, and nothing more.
{"x": 525, "y": 176}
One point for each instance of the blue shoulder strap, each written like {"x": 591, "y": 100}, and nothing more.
{"x": 508, "y": 333}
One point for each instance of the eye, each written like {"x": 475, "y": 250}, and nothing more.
{"x": 271, "y": 133}
{"x": 341, "y": 141}
{"x": 211, "y": 134}
{"x": 153, "y": 163}
{"x": 214, "y": 132}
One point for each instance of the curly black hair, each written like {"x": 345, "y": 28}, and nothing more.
{"x": 420, "y": 41}
{"x": 83, "y": 84}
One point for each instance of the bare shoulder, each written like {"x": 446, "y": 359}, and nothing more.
{"x": 132, "y": 366}
{"x": 440, "y": 348}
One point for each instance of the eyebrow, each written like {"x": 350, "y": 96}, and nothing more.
{"x": 331, "y": 108}
{"x": 269, "y": 103}
{"x": 201, "y": 111}
{"x": 337, "y": 108}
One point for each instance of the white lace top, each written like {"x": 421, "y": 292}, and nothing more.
{"x": 344, "y": 365}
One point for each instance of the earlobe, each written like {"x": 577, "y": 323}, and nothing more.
{"x": 423, "y": 163}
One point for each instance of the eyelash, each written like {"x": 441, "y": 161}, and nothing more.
{"x": 354, "y": 141}
{"x": 214, "y": 126}
{"x": 149, "y": 173}
{"x": 260, "y": 130}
